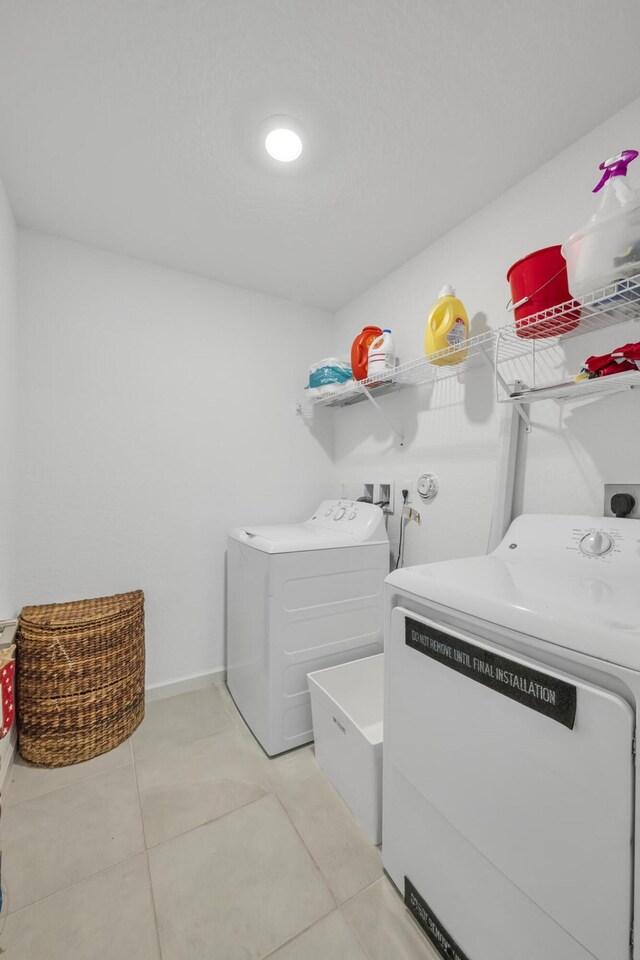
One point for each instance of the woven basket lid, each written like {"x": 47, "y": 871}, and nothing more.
{"x": 83, "y": 612}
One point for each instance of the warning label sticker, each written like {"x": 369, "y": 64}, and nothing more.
{"x": 532, "y": 688}
{"x": 442, "y": 941}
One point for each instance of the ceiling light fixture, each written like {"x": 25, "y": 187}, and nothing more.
{"x": 282, "y": 142}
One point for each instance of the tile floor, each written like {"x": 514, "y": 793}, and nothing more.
{"x": 188, "y": 843}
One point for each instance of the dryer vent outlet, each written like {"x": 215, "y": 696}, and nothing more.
{"x": 369, "y": 491}
{"x": 385, "y": 494}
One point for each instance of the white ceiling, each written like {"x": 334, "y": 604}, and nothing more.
{"x": 134, "y": 124}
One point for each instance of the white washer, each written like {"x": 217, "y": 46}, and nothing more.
{"x": 301, "y": 597}
{"x": 511, "y": 693}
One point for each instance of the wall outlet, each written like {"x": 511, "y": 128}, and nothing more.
{"x": 612, "y": 488}
{"x": 411, "y": 487}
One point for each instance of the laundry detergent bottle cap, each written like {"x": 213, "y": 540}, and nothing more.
{"x": 607, "y": 249}
{"x": 447, "y": 327}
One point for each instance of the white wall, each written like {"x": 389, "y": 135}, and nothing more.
{"x": 8, "y": 407}
{"x": 452, "y": 429}
{"x": 158, "y": 412}
{"x": 8, "y": 434}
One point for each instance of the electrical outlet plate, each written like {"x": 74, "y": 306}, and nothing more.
{"x": 632, "y": 488}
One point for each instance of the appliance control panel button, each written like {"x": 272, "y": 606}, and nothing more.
{"x": 596, "y": 543}
{"x": 339, "y": 514}
{"x": 328, "y": 512}
{"x": 352, "y": 515}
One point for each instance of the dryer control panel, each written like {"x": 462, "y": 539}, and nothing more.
{"x": 572, "y": 538}
{"x": 364, "y": 521}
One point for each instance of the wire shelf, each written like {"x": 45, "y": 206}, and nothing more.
{"x": 608, "y": 306}
{"x": 437, "y": 366}
{"x": 612, "y": 305}
{"x": 583, "y": 389}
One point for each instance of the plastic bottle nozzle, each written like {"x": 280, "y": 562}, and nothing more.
{"x": 615, "y": 167}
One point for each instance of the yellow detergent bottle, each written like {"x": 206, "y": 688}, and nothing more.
{"x": 447, "y": 326}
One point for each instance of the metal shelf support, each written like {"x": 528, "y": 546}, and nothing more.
{"x": 512, "y": 425}
{"x": 399, "y": 433}
{"x": 521, "y": 408}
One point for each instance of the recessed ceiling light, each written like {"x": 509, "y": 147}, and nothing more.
{"x": 283, "y": 144}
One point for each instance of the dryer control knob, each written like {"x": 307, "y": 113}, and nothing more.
{"x": 352, "y": 515}
{"x": 328, "y": 512}
{"x": 339, "y": 514}
{"x": 596, "y": 543}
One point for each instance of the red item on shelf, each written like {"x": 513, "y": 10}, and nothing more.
{"x": 360, "y": 351}
{"x": 539, "y": 282}
{"x": 8, "y": 696}
{"x": 621, "y": 360}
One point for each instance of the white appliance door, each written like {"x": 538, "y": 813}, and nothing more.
{"x": 532, "y": 767}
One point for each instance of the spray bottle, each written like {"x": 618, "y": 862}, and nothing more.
{"x": 607, "y": 249}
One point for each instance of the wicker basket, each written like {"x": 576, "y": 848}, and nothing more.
{"x": 80, "y": 677}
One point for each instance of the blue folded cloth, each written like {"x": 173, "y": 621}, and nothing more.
{"x": 329, "y": 371}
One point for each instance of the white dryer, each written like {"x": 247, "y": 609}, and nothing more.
{"x": 511, "y": 692}
{"x": 301, "y": 597}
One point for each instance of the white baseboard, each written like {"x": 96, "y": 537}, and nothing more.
{"x": 201, "y": 680}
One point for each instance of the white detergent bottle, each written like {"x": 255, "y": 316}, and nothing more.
{"x": 382, "y": 355}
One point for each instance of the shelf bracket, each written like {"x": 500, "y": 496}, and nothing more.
{"x": 303, "y": 413}
{"x": 399, "y": 434}
{"x": 521, "y": 408}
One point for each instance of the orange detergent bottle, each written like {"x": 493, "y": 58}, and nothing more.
{"x": 360, "y": 351}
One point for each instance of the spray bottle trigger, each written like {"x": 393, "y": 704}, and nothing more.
{"x": 615, "y": 167}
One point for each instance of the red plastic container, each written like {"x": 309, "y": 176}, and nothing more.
{"x": 540, "y": 279}
{"x": 360, "y": 351}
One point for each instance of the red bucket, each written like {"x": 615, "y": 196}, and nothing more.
{"x": 539, "y": 282}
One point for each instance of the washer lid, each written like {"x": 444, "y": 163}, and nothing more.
{"x": 539, "y": 582}
{"x": 336, "y": 523}
{"x": 291, "y": 537}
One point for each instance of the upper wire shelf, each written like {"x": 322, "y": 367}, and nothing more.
{"x": 609, "y": 306}
{"x": 616, "y": 304}
{"x": 619, "y": 302}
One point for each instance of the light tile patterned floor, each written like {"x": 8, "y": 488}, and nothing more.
{"x": 188, "y": 843}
